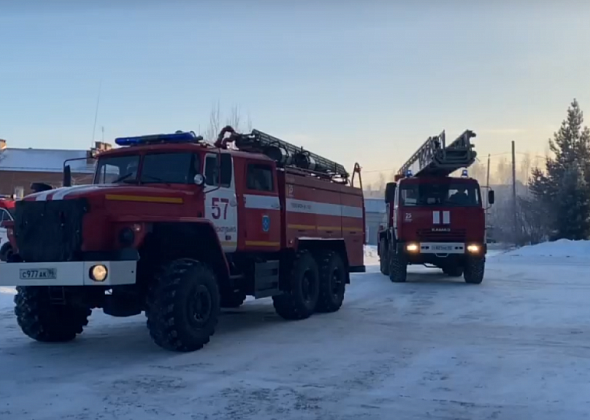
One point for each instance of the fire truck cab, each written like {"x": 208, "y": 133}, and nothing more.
{"x": 177, "y": 228}
{"x": 433, "y": 218}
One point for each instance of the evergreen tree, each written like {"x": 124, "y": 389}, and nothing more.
{"x": 563, "y": 189}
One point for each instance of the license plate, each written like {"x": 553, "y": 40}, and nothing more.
{"x": 444, "y": 248}
{"x": 38, "y": 273}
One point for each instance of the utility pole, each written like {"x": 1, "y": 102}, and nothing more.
{"x": 488, "y": 181}
{"x": 515, "y": 229}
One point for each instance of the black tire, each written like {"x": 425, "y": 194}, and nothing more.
{"x": 43, "y": 320}
{"x": 398, "y": 267}
{"x": 232, "y": 300}
{"x": 301, "y": 298}
{"x": 453, "y": 271}
{"x": 333, "y": 275}
{"x": 183, "y": 305}
{"x": 383, "y": 257}
{"x": 5, "y": 251}
{"x": 474, "y": 270}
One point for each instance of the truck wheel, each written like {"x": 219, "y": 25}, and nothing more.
{"x": 332, "y": 282}
{"x": 300, "y": 301}
{"x": 5, "y": 251}
{"x": 453, "y": 271}
{"x": 383, "y": 257}
{"x": 183, "y": 306}
{"x": 232, "y": 300}
{"x": 474, "y": 270}
{"x": 42, "y": 320}
{"x": 398, "y": 267}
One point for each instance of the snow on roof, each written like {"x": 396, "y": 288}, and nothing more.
{"x": 43, "y": 160}
{"x": 374, "y": 205}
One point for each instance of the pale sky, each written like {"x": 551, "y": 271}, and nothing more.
{"x": 362, "y": 80}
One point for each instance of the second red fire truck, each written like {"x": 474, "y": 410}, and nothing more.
{"x": 434, "y": 218}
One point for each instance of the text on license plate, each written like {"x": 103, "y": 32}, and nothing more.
{"x": 38, "y": 273}
{"x": 442, "y": 247}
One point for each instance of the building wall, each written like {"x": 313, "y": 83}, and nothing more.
{"x": 10, "y": 180}
{"x": 372, "y": 223}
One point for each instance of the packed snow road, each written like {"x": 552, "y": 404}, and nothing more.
{"x": 515, "y": 347}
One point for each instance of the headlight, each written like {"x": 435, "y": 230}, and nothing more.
{"x": 474, "y": 249}
{"x": 412, "y": 247}
{"x": 98, "y": 272}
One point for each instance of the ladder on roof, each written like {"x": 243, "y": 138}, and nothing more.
{"x": 436, "y": 158}
{"x": 282, "y": 152}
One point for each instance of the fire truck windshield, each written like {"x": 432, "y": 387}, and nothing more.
{"x": 116, "y": 169}
{"x": 441, "y": 194}
{"x": 165, "y": 168}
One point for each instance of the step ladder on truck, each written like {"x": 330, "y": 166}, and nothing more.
{"x": 178, "y": 228}
{"x": 434, "y": 218}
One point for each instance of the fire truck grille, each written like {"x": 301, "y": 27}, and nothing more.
{"x": 453, "y": 235}
{"x": 49, "y": 230}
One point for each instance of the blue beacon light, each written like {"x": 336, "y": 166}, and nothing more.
{"x": 464, "y": 174}
{"x": 178, "y": 137}
{"x": 409, "y": 173}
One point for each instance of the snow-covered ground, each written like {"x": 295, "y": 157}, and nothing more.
{"x": 515, "y": 347}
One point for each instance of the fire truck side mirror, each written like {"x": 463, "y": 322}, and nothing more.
{"x": 67, "y": 176}
{"x": 491, "y": 197}
{"x": 199, "y": 180}
{"x": 390, "y": 192}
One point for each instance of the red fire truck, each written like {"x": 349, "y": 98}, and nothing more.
{"x": 177, "y": 228}
{"x": 6, "y": 210}
{"x": 433, "y": 218}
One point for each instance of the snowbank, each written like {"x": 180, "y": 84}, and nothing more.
{"x": 559, "y": 248}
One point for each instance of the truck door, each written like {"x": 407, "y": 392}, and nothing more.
{"x": 260, "y": 208}
{"x": 220, "y": 198}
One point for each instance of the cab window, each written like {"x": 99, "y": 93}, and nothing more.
{"x": 260, "y": 178}
{"x": 212, "y": 170}
{"x": 117, "y": 169}
{"x": 170, "y": 168}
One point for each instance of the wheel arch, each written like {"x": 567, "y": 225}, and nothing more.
{"x": 175, "y": 240}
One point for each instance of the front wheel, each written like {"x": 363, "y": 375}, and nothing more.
{"x": 383, "y": 257}
{"x": 474, "y": 270}
{"x": 398, "y": 267}
{"x": 183, "y": 305}
{"x": 45, "y": 320}
{"x": 300, "y": 299}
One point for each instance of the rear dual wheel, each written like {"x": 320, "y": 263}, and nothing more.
{"x": 314, "y": 284}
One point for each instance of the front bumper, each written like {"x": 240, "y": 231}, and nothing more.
{"x": 70, "y": 273}
{"x": 442, "y": 249}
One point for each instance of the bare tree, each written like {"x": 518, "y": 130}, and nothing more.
{"x": 249, "y": 123}
{"x": 234, "y": 118}
{"x": 214, "y": 123}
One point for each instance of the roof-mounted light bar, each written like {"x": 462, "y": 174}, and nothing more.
{"x": 178, "y": 137}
